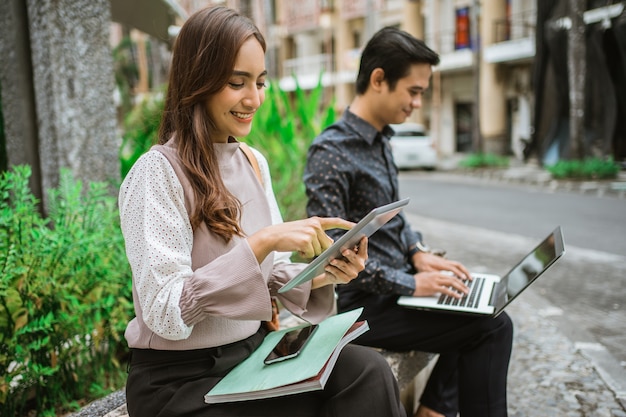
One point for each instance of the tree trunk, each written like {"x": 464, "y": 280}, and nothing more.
{"x": 477, "y": 140}
{"x": 577, "y": 68}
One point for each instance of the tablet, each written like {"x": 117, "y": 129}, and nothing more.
{"x": 366, "y": 227}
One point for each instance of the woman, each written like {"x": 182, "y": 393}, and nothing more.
{"x": 201, "y": 236}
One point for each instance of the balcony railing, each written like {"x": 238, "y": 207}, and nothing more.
{"x": 519, "y": 26}
{"x": 443, "y": 42}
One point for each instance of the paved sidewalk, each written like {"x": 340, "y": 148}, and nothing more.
{"x": 550, "y": 375}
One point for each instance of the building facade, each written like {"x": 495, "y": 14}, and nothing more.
{"x": 486, "y": 70}
{"x": 320, "y": 40}
{"x": 482, "y": 96}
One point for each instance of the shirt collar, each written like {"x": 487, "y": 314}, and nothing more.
{"x": 366, "y": 130}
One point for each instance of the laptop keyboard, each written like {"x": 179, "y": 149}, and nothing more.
{"x": 471, "y": 299}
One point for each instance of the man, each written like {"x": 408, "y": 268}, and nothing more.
{"x": 350, "y": 171}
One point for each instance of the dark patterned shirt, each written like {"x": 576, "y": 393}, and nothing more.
{"x": 349, "y": 172}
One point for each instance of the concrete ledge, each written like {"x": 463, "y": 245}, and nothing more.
{"x": 412, "y": 370}
{"x": 113, "y": 405}
{"x": 406, "y": 365}
{"x": 121, "y": 411}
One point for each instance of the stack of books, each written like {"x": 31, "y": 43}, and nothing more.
{"x": 308, "y": 371}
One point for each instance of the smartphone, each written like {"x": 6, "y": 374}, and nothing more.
{"x": 291, "y": 344}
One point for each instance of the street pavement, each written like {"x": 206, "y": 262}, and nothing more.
{"x": 551, "y": 373}
{"x": 557, "y": 368}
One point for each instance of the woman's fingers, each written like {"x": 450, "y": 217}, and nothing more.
{"x": 319, "y": 240}
{"x": 327, "y": 223}
{"x": 334, "y": 223}
{"x": 346, "y": 268}
{"x": 307, "y": 236}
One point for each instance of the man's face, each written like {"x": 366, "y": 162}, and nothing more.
{"x": 398, "y": 104}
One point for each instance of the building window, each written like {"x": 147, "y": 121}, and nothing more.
{"x": 326, "y": 5}
{"x": 507, "y": 28}
{"x": 357, "y": 39}
{"x": 462, "y": 36}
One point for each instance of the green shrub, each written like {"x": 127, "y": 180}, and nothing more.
{"x": 141, "y": 128}
{"x": 590, "y": 168}
{"x": 484, "y": 160}
{"x": 65, "y": 295}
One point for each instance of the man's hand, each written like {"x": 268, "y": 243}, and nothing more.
{"x": 431, "y": 283}
{"x": 437, "y": 275}
{"x": 427, "y": 262}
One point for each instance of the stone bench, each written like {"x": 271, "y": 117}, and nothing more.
{"x": 113, "y": 405}
{"x": 412, "y": 370}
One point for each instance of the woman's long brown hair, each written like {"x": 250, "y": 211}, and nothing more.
{"x": 203, "y": 60}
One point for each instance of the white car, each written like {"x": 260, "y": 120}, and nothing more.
{"x": 412, "y": 148}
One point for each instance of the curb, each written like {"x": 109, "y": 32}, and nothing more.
{"x": 535, "y": 176}
{"x": 607, "y": 366}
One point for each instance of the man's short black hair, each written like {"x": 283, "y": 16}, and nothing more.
{"x": 394, "y": 51}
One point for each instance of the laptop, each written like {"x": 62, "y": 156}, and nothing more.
{"x": 369, "y": 224}
{"x": 489, "y": 294}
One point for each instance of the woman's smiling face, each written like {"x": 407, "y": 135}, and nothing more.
{"x": 233, "y": 107}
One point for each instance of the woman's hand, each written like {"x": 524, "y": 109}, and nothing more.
{"x": 307, "y": 237}
{"x": 345, "y": 269}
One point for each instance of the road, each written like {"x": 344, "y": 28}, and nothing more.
{"x": 588, "y": 221}
{"x": 490, "y": 226}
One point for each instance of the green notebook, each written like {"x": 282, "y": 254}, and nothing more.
{"x": 309, "y": 371}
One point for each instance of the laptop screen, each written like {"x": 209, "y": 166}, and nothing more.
{"x": 531, "y": 266}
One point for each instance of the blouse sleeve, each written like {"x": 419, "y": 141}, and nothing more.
{"x": 159, "y": 238}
